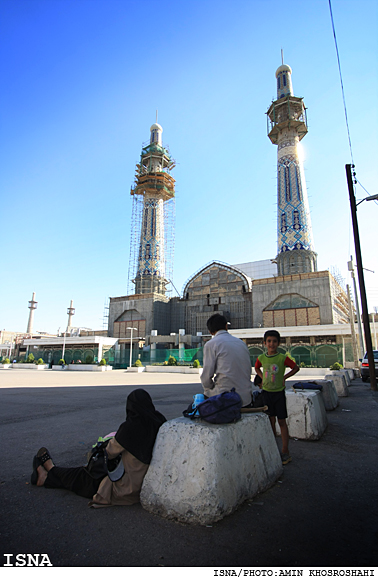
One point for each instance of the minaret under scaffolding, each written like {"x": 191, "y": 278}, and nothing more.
{"x": 287, "y": 125}
{"x": 152, "y": 228}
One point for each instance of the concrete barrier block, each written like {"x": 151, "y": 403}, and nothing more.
{"x": 340, "y": 383}
{"x": 351, "y": 373}
{"x": 328, "y": 393}
{"x": 346, "y": 375}
{"x": 201, "y": 472}
{"x": 307, "y": 418}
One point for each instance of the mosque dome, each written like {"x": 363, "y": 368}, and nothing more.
{"x": 156, "y": 126}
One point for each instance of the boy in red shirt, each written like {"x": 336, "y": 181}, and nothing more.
{"x": 273, "y": 378}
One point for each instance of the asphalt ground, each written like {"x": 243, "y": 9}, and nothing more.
{"x": 322, "y": 512}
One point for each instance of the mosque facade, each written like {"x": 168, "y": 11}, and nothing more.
{"x": 292, "y": 293}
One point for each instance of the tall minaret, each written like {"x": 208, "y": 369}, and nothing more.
{"x": 287, "y": 125}
{"x": 32, "y": 306}
{"x": 70, "y": 312}
{"x": 154, "y": 187}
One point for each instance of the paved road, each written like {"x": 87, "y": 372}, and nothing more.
{"x": 322, "y": 512}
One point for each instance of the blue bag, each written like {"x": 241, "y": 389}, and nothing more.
{"x": 307, "y": 386}
{"x": 221, "y": 409}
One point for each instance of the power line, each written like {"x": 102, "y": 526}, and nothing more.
{"x": 341, "y": 80}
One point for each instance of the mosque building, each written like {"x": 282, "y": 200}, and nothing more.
{"x": 285, "y": 292}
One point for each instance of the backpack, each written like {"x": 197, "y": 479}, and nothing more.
{"x": 221, "y": 409}
{"x": 257, "y": 399}
{"x": 99, "y": 465}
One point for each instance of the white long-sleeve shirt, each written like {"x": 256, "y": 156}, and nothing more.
{"x": 226, "y": 365}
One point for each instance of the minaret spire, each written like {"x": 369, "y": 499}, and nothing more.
{"x": 154, "y": 193}
{"x": 287, "y": 125}
{"x": 32, "y": 306}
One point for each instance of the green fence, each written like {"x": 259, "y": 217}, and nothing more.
{"x": 320, "y": 356}
{"x": 159, "y": 356}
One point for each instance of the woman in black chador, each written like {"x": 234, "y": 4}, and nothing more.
{"x": 134, "y": 442}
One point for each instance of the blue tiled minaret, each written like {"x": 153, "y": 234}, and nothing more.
{"x": 287, "y": 125}
{"x": 155, "y": 187}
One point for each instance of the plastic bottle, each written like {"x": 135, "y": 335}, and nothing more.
{"x": 197, "y": 399}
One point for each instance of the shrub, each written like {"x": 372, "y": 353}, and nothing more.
{"x": 89, "y": 359}
{"x": 172, "y": 361}
{"x": 336, "y": 366}
{"x": 6, "y": 361}
{"x": 165, "y": 363}
{"x": 61, "y": 361}
{"x": 138, "y": 364}
{"x": 102, "y": 362}
{"x": 30, "y": 359}
{"x": 196, "y": 364}
{"x": 40, "y": 361}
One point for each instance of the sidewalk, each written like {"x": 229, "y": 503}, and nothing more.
{"x": 323, "y": 512}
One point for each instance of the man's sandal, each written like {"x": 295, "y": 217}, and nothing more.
{"x": 39, "y": 460}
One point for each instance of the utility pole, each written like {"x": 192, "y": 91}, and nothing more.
{"x": 374, "y": 330}
{"x": 361, "y": 281}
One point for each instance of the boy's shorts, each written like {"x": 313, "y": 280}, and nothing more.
{"x": 276, "y": 403}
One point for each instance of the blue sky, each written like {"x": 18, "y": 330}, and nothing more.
{"x": 81, "y": 81}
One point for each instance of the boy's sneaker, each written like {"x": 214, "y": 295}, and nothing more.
{"x": 286, "y": 458}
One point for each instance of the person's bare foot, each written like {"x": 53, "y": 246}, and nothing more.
{"x": 48, "y": 465}
{"x": 42, "y": 476}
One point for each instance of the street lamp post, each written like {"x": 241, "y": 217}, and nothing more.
{"x": 131, "y": 344}
{"x": 64, "y": 342}
{"x": 351, "y": 269}
{"x": 360, "y": 272}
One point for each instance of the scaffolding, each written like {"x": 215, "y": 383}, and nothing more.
{"x": 153, "y": 210}
{"x": 340, "y": 306}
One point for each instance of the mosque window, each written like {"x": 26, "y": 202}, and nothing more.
{"x": 287, "y": 184}
{"x": 278, "y": 82}
{"x": 153, "y": 223}
{"x": 284, "y": 79}
{"x": 148, "y": 251}
{"x": 283, "y": 223}
{"x": 296, "y": 220}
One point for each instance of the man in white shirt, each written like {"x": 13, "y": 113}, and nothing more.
{"x": 226, "y": 362}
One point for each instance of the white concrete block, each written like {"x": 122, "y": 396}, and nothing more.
{"x": 346, "y": 375}
{"x": 328, "y": 393}
{"x": 201, "y": 472}
{"x": 30, "y": 366}
{"x": 351, "y": 373}
{"x": 88, "y": 368}
{"x": 307, "y": 418}
{"x": 174, "y": 369}
{"x": 339, "y": 381}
